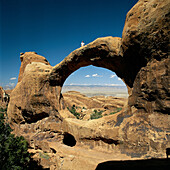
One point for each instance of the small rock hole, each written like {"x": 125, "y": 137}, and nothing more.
{"x": 69, "y": 140}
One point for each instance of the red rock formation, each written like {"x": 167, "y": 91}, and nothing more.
{"x": 33, "y": 99}
{"x": 28, "y": 58}
{"x": 141, "y": 129}
{"x": 145, "y": 43}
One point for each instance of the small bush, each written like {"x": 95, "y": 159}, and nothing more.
{"x": 2, "y": 110}
{"x": 96, "y": 114}
{"x": 13, "y": 150}
{"x": 73, "y": 111}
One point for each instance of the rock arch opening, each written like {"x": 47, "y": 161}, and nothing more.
{"x": 95, "y": 81}
{"x": 93, "y": 92}
{"x": 69, "y": 139}
{"x": 103, "y": 53}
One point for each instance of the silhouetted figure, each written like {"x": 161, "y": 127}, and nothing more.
{"x": 167, "y": 152}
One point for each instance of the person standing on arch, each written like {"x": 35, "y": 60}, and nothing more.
{"x": 82, "y": 43}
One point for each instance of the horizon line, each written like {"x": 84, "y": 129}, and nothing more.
{"x": 72, "y": 84}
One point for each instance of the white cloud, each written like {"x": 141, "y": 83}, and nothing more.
{"x": 112, "y": 76}
{"x": 96, "y": 75}
{"x": 119, "y": 78}
{"x": 9, "y": 86}
{"x": 87, "y": 76}
{"x": 13, "y": 78}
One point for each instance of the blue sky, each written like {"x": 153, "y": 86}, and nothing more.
{"x": 53, "y": 29}
{"x": 91, "y": 75}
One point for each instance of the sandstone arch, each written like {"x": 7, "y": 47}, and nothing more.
{"x": 103, "y": 52}
{"x": 140, "y": 58}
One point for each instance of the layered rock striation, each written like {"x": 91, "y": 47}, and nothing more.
{"x": 37, "y": 109}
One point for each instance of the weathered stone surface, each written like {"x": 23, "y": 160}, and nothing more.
{"x": 33, "y": 99}
{"x": 103, "y": 52}
{"x": 138, "y": 136}
{"x": 151, "y": 88}
{"x": 140, "y": 130}
{"x": 145, "y": 44}
{"x": 28, "y": 58}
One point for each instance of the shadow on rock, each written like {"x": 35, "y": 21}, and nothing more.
{"x": 157, "y": 164}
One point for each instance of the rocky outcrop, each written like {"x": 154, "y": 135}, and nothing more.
{"x": 28, "y": 58}
{"x": 140, "y": 130}
{"x": 2, "y": 102}
{"x": 4, "y": 97}
{"x": 1, "y": 93}
{"x": 151, "y": 88}
{"x": 145, "y": 44}
{"x": 33, "y": 98}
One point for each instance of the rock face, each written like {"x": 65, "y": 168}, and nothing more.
{"x": 4, "y": 97}
{"x": 28, "y": 58}
{"x": 140, "y": 130}
{"x": 2, "y": 101}
{"x": 33, "y": 98}
{"x": 145, "y": 44}
{"x": 1, "y": 93}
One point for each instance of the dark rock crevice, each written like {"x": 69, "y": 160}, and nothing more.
{"x": 105, "y": 140}
{"x": 32, "y": 118}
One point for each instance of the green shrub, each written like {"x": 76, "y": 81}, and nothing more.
{"x": 2, "y": 110}
{"x": 13, "y": 150}
{"x": 96, "y": 114}
{"x": 73, "y": 111}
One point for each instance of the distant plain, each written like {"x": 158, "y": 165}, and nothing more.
{"x": 97, "y": 90}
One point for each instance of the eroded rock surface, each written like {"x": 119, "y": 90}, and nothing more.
{"x": 33, "y": 98}
{"x": 145, "y": 48}
{"x": 141, "y": 130}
